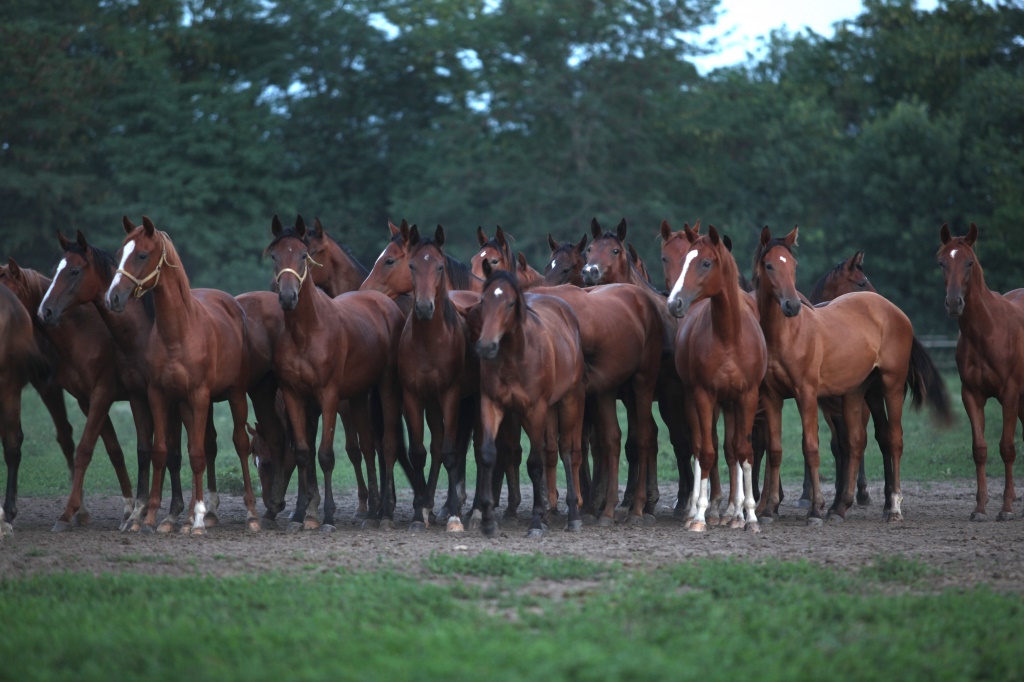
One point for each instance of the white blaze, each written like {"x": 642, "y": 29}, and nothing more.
{"x": 498, "y": 292}
{"x": 552, "y": 265}
{"x": 783, "y": 259}
{"x": 128, "y": 249}
{"x": 952, "y": 254}
{"x": 60, "y": 266}
{"x": 690, "y": 255}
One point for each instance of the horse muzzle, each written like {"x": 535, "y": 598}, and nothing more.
{"x": 790, "y": 307}
{"x": 954, "y": 306}
{"x": 591, "y": 275}
{"x": 424, "y": 310}
{"x": 48, "y": 316}
{"x": 487, "y": 350}
{"x": 288, "y": 298}
{"x": 116, "y": 301}
{"x": 680, "y": 305}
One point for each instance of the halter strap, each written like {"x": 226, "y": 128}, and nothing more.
{"x": 138, "y": 291}
{"x": 305, "y": 270}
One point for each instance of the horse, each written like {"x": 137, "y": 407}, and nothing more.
{"x": 340, "y": 271}
{"x": 607, "y": 262}
{"x": 567, "y": 262}
{"x": 20, "y": 362}
{"x": 497, "y": 252}
{"x": 85, "y": 368}
{"x": 721, "y": 356}
{"x": 531, "y": 364}
{"x": 860, "y": 348}
{"x": 989, "y": 356}
{"x": 638, "y": 262}
{"x": 196, "y": 353}
{"x": 335, "y": 349}
{"x": 439, "y": 374}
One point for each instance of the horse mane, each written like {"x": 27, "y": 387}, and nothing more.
{"x": 104, "y": 260}
{"x": 360, "y": 268}
{"x": 819, "y": 286}
{"x": 458, "y": 272}
{"x": 509, "y": 278}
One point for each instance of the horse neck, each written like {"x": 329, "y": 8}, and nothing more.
{"x": 175, "y": 306}
{"x": 36, "y": 284}
{"x": 980, "y": 313}
{"x": 126, "y": 327}
{"x": 773, "y": 321}
{"x": 306, "y": 317}
{"x": 345, "y": 274}
{"x": 726, "y": 305}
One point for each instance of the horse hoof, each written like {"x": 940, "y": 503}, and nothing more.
{"x": 736, "y": 524}
{"x": 474, "y": 523}
{"x": 386, "y": 524}
{"x": 165, "y": 527}
{"x": 454, "y": 525}
{"x": 186, "y": 528}
{"x": 634, "y": 520}
{"x": 328, "y": 528}
{"x": 535, "y": 533}
{"x": 211, "y": 520}
{"x": 897, "y": 518}
{"x": 370, "y": 524}
{"x": 713, "y": 520}
{"x": 253, "y": 526}
{"x": 268, "y": 524}
{"x": 61, "y": 527}
{"x": 752, "y": 527}
{"x": 698, "y": 527}
{"x": 767, "y": 518}
{"x": 979, "y": 516}
{"x": 310, "y": 524}
{"x": 198, "y": 531}
{"x": 836, "y": 518}
{"x": 588, "y": 519}
{"x": 361, "y": 515}
{"x": 82, "y": 518}
{"x": 294, "y": 526}
{"x": 417, "y": 527}
{"x": 509, "y": 520}
{"x": 1005, "y": 516}
{"x": 574, "y": 526}
{"x": 803, "y": 504}
{"x": 816, "y": 521}
{"x": 605, "y": 522}
{"x": 620, "y": 515}
{"x": 143, "y": 528}
{"x": 649, "y": 520}
{"x": 864, "y": 499}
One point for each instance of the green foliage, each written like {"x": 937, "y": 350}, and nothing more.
{"x": 632, "y": 625}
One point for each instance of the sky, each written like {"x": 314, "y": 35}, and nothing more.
{"x": 741, "y": 22}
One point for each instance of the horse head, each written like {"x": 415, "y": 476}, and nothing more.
{"x": 959, "y": 266}
{"x": 607, "y": 257}
{"x": 427, "y": 262}
{"x": 775, "y": 267}
{"x": 390, "y": 273}
{"x": 707, "y": 268}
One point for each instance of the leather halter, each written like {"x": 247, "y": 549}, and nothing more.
{"x": 138, "y": 291}
{"x": 305, "y": 271}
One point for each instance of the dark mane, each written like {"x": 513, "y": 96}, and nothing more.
{"x": 459, "y": 273}
{"x": 359, "y": 267}
{"x": 759, "y": 254}
{"x": 104, "y": 260}
{"x": 286, "y": 232}
{"x": 819, "y": 286}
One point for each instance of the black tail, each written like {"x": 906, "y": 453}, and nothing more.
{"x": 926, "y": 384}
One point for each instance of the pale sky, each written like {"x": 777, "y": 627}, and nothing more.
{"x": 749, "y": 19}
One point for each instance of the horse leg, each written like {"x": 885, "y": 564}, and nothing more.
{"x": 607, "y": 448}
{"x": 240, "y": 439}
{"x": 714, "y": 514}
{"x": 353, "y": 449}
{"x": 143, "y": 446}
{"x": 768, "y": 504}
{"x": 211, "y": 518}
{"x": 703, "y": 412}
{"x": 550, "y": 450}
{"x": 12, "y": 437}
{"x": 173, "y": 466}
{"x": 438, "y": 429}
{"x": 733, "y": 516}
{"x": 540, "y": 424}
{"x": 195, "y": 421}
{"x": 570, "y": 431}
{"x": 863, "y": 496}
{"x": 390, "y": 392}
{"x": 325, "y": 455}
{"x": 465, "y": 434}
{"x": 853, "y": 405}
{"x": 451, "y": 403}
{"x": 159, "y": 411}
{"x": 412, "y": 408}
{"x": 272, "y": 430}
{"x": 838, "y": 443}
{"x": 1010, "y": 404}
{"x": 974, "y": 404}
{"x": 296, "y": 407}
{"x": 491, "y": 416}
{"x": 807, "y": 404}
{"x": 745, "y": 419}
{"x": 645, "y": 431}
{"x": 593, "y": 490}
{"x": 876, "y": 406}
{"x": 510, "y": 451}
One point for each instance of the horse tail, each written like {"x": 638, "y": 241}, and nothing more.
{"x": 926, "y": 384}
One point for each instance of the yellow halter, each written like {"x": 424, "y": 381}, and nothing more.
{"x": 138, "y": 291}
{"x": 305, "y": 271}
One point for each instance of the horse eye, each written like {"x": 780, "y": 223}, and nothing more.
{"x": 564, "y": 270}
{"x": 143, "y": 256}
{"x": 970, "y": 263}
{"x": 440, "y": 268}
{"x": 494, "y": 261}
{"x": 616, "y": 252}
{"x": 76, "y": 272}
{"x": 862, "y": 284}
{"x": 389, "y": 261}
{"x": 769, "y": 266}
{"x": 707, "y": 263}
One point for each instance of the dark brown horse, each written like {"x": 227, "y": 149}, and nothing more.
{"x": 85, "y": 368}
{"x": 860, "y": 347}
{"x": 721, "y": 357}
{"x": 335, "y": 349}
{"x": 530, "y": 364}
{"x": 497, "y": 252}
{"x": 439, "y": 373}
{"x": 989, "y": 356}
{"x": 340, "y": 271}
{"x": 20, "y": 362}
{"x": 197, "y": 353}
{"x": 567, "y": 262}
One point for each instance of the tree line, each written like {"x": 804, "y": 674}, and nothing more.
{"x": 210, "y": 116}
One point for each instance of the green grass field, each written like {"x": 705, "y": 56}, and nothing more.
{"x": 930, "y": 453}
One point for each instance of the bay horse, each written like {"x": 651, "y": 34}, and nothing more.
{"x": 607, "y": 262}
{"x": 85, "y": 368}
{"x": 860, "y": 348}
{"x": 20, "y": 362}
{"x": 340, "y": 271}
{"x": 989, "y": 356}
{"x": 567, "y": 262}
{"x": 530, "y": 364}
{"x": 721, "y": 356}
{"x": 335, "y": 349}
{"x": 390, "y": 273}
{"x": 196, "y": 354}
{"x": 82, "y": 278}
{"x": 497, "y": 252}
{"x": 438, "y": 373}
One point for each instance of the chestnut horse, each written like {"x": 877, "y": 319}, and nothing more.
{"x": 335, "y": 349}
{"x": 989, "y": 356}
{"x": 196, "y": 353}
{"x": 340, "y": 271}
{"x": 85, "y": 368}
{"x": 390, "y": 274}
{"x": 497, "y": 252}
{"x": 530, "y": 364}
{"x": 438, "y": 372}
{"x": 20, "y": 362}
{"x": 721, "y": 357}
{"x": 860, "y": 348}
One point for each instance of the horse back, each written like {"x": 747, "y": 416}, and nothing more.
{"x": 558, "y": 342}
{"x": 222, "y": 322}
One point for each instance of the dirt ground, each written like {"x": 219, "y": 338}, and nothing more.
{"x": 936, "y": 531}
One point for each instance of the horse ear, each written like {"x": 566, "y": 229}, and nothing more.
{"x": 393, "y": 228}
{"x": 413, "y": 237}
{"x": 487, "y": 268}
{"x": 666, "y": 230}
{"x": 553, "y": 244}
{"x": 521, "y": 257}
{"x": 80, "y": 238}
{"x": 403, "y": 229}
{"x": 480, "y": 236}
{"x": 728, "y": 242}
{"x": 318, "y": 228}
{"x": 696, "y": 227}
{"x": 691, "y": 236}
{"x": 766, "y": 235}
{"x": 499, "y": 236}
{"x": 944, "y": 234}
{"x": 856, "y": 260}
{"x": 595, "y": 228}
{"x": 275, "y": 225}
{"x": 148, "y": 226}
{"x": 632, "y": 252}
{"x": 439, "y": 235}
{"x": 13, "y": 268}
{"x": 620, "y": 230}
{"x": 300, "y": 225}
{"x": 582, "y": 244}
{"x": 713, "y": 235}
{"x": 790, "y": 239}
{"x": 127, "y": 224}
{"x": 64, "y": 242}
{"x": 972, "y": 235}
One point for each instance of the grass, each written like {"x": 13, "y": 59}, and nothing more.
{"x": 714, "y": 618}
{"x": 930, "y": 453}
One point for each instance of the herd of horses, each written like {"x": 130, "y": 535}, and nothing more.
{"x": 478, "y": 354}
